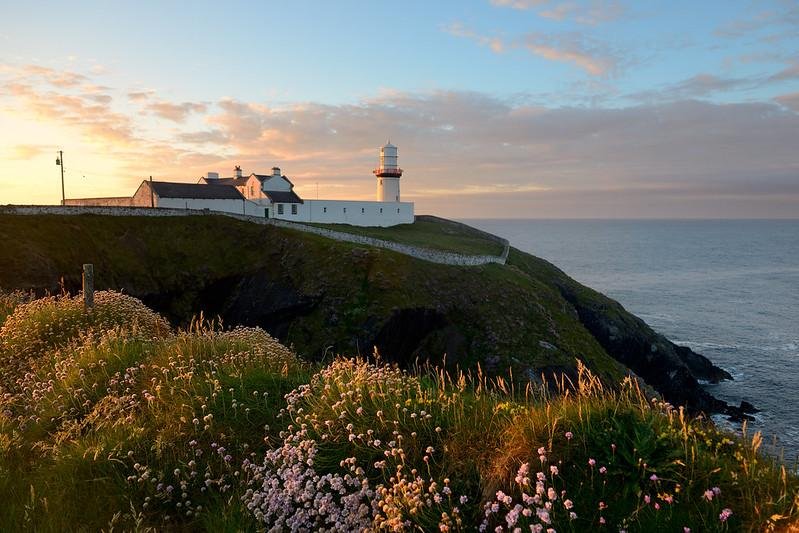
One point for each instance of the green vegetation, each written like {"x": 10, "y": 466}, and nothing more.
{"x": 123, "y": 424}
{"x": 430, "y": 232}
{"x": 222, "y": 266}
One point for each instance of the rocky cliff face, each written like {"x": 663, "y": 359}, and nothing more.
{"x": 326, "y": 297}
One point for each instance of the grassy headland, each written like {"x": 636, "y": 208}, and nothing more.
{"x": 430, "y": 232}
{"x": 116, "y": 421}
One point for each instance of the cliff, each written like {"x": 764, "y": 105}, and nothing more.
{"x": 324, "y": 297}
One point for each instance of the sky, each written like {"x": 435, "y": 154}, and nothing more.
{"x": 500, "y": 108}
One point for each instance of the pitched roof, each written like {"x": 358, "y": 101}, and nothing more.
{"x": 165, "y": 189}
{"x": 283, "y": 197}
{"x": 236, "y": 182}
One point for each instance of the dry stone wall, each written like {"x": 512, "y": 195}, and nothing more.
{"x": 425, "y": 254}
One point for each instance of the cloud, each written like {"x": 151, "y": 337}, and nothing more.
{"x": 28, "y": 151}
{"x": 498, "y": 157}
{"x": 695, "y": 87}
{"x": 789, "y": 100}
{"x": 790, "y": 72}
{"x": 496, "y": 44}
{"x": 203, "y": 137}
{"x": 590, "y": 12}
{"x": 783, "y": 20}
{"x": 175, "y": 112}
{"x": 593, "y": 57}
{"x": 519, "y": 4}
{"x": 575, "y": 49}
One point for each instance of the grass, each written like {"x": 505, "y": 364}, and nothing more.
{"x": 112, "y": 426}
{"x": 161, "y": 261}
{"x": 430, "y": 232}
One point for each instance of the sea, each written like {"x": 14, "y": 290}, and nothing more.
{"x": 728, "y": 289}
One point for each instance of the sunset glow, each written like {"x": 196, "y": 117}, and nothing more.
{"x": 521, "y": 109}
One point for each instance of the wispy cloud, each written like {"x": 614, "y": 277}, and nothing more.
{"x": 789, "y": 100}
{"x": 175, "y": 112}
{"x": 589, "y": 55}
{"x": 589, "y": 12}
{"x": 458, "y": 30}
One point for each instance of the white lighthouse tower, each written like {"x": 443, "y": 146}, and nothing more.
{"x": 388, "y": 175}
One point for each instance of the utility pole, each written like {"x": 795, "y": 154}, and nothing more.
{"x": 60, "y": 162}
{"x": 152, "y": 195}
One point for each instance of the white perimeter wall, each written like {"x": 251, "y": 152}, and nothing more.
{"x": 353, "y": 212}
{"x": 239, "y": 207}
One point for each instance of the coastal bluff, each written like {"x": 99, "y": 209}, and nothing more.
{"x": 325, "y": 296}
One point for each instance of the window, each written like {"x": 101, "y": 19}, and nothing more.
{"x": 252, "y": 191}
{"x": 381, "y": 181}
{"x": 324, "y": 210}
{"x": 293, "y": 209}
{"x": 398, "y": 210}
{"x": 345, "y": 209}
{"x": 279, "y": 209}
{"x": 363, "y": 210}
{"x": 397, "y": 197}
{"x": 381, "y": 210}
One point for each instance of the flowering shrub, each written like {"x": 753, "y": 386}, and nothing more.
{"x": 389, "y": 475}
{"x": 54, "y": 321}
{"x": 10, "y": 301}
{"x": 209, "y": 430}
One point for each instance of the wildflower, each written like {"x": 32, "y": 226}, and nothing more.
{"x": 709, "y": 495}
{"x": 725, "y": 514}
{"x": 653, "y": 477}
{"x": 601, "y": 519}
{"x": 568, "y": 504}
{"x": 591, "y": 462}
{"x": 554, "y": 470}
{"x": 569, "y": 435}
{"x": 686, "y": 529}
{"x": 603, "y": 470}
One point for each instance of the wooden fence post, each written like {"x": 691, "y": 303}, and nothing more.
{"x": 88, "y": 285}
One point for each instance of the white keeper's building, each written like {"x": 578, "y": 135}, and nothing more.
{"x": 272, "y": 196}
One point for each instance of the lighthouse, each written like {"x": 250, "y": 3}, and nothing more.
{"x": 388, "y": 175}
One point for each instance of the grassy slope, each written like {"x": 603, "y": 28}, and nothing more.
{"x": 125, "y": 433}
{"x": 430, "y": 232}
{"x": 502, "y": 312}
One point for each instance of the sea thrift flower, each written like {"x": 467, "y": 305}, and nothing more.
{"x": 591, "y": 462}
{"x": 709, "y": 495}
{"x": 569, "y": 435}
{"x": 725, "y": 514}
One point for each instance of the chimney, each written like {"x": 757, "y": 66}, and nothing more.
{"x": 238, "y": 171}
{"x": 212, "y": 176}
{"x": 276, "y": 171}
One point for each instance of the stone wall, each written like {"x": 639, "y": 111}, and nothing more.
{"x": 425, "y": 254}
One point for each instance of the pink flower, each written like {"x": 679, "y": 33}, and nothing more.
{"x": 554, "y": 470}
{"x": 647, "y": 499}
{"x": 709, "y": 495}
{"x": 686, "y": 529}
{"x": 569, "y": 435}
{"x": 601, "y": 519}
{"x": 725, "y": 514}
{"x": 602, "y": 470}
{"x": 653, "y": 477}
{"x": 591, "y": 462}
